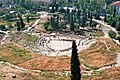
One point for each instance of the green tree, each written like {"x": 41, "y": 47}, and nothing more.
{"x": 75, "y": 64}
{"x": 20, "y": 9}
{"x": 8, "y": 17}
{"x": 97, "y": 16}
{"x": 1, "y": 4}
{"x": 118, "y": 26}
{"x": 113, "y": 21}
{"x": 109, "y": 19}
{"x": 118, "y": 38}
{"x": 2, "y": 27}
{"x": 62, "y": 10}
{"x": 108, "y": 1}
{"x": 27, "y": 4}
{"x": 2, "y": 12}
{"x": 46, "y": 25}
{"x": 52, "y": 10}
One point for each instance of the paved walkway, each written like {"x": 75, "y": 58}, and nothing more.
{"x": 31, "y": 28}
{"x": 105, "y": 27}
{"x": 5, "y": 36}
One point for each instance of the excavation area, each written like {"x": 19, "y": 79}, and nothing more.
{"x": 51, "y": 52}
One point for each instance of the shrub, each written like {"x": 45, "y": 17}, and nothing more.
{"x": 109, "y": 19}
{"x": 3, "y": 58}
{"x": 112, "y": 34}
{"x": 2, "y": 27}
{"x": 118, "y": 38}
{"x": 118, "y": 26}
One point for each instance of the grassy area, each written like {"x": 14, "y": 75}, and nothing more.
{"x": 14, "y": 54}
{"x": 10, "y": 23}
{"x": 108, "y": 74}
{"x": 55, "y": 75}
{"x": 98, "y": 33}
{"x": 1, "y": 76}
{"x": 22, "y": 37}
{"x": 30, "y": 38}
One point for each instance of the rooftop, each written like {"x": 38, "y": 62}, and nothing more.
{"x": 117, "y": 3}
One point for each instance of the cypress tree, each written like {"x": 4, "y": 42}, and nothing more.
{"x": 72, "y": 23}
{"x": 18, "y": 25}
{"x": 68, "y": 15}
{"x": 28, "y": 19}
{"x": 52, "y": 10}
{"x": 78, "y": 16}
{"x": 52, "y": 22}
{"x": 83, "y": 21}
{"x": 105, "y": 19}
{"x": 75, "y": 64}
{"x": 91, "y": 19}
{"x": 114, "y": 12}
{"x": 21, "y": 21}
{"x": 57, "y": 22}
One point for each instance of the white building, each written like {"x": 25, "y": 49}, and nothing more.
{"x": 117, "y": 5}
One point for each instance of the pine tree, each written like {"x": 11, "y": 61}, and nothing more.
{"x": 75, "y": 64}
